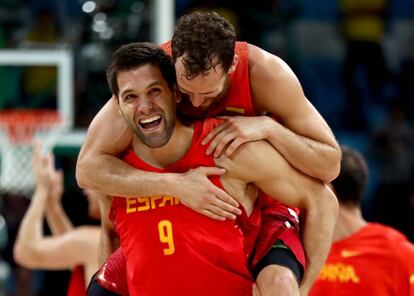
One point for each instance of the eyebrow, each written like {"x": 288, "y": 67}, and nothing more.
{"x": 189, "y": 92}
{"x": 129, "y": 90}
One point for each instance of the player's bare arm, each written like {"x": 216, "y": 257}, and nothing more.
{"x": 300, "y": 134}
{"x": 77, "y": 247}
{"x": 34, "y": 250}
{"x": 59, "y": 223}
{"x": 100, "y": 169}
{"x": 260, "y": 164}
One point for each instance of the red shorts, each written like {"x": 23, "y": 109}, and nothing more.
{"x": 278, "y": 222}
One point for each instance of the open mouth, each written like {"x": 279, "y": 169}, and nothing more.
{"x": 151, "y": 122}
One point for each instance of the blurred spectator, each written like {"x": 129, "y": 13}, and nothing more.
{"x": 40, "y": 82}
{"x": 363, "y": 26}
{"x": 393, "y": 148}
{"x": 225, "y": 8}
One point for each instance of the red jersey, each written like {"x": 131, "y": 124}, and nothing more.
{"x": 238, "y": 101}
{"x": 172, "y": 250}
{"x": 76, "y": 286}
{"x": 376, "y": 260}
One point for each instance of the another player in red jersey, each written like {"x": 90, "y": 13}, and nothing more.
{"x": 219, "y": 75}
{"x": 365, "y": 258}
{"x": 169, "y": 248}
{"x": 69, "y": 247}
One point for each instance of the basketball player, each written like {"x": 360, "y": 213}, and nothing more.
{"x": 219, "y": 76}
{"x": 365, "y": 258}
{"x": 68, "y": 247}
{"x": 168, "y": 247}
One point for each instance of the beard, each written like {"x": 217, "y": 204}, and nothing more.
{"x": 186, "y": 108}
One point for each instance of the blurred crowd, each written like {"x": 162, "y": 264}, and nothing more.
{"x": 354, "y": 59}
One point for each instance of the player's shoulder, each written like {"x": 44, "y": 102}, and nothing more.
{"x": 386, "y": 232}
{"x": 265, "y": 67}
{"x": 258, "y": 57}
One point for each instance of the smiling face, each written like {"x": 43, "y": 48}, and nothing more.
{"x": 205, "y": 89}
{"x": 147, "y": 104}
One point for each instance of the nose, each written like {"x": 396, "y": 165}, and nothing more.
{"x": 196, "y": 100}
{"x": 145, "y": 106}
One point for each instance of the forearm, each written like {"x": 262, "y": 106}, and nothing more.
{"x": 57, "y": 220}
{"x": 315, "y": 159}
{"x": 31, "y": 228}
{"x": 112, "y": 176}
{"x": 317, "y": 233}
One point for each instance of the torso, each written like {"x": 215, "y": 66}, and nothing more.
{"x": 367, "y": 263}
{"x": 159, "y": 233}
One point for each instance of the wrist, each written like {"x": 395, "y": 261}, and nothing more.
{"x": 271, "y": 129}
{"x": 43, "y": 190}
{"x": 54, "y": 207}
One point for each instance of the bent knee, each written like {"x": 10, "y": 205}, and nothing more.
{"x": 277, "y": 280}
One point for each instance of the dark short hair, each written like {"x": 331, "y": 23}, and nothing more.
{"x": 204, "y": 39}
{"x": 350, "y": 185}
{"x": 134, "y": 55}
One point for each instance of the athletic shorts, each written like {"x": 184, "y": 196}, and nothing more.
{"x": 94, "y": 289}
{"x": 279, "y": 239}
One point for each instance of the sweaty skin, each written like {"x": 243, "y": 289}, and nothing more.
{"x": 254, "y": 165}
{"x": 301, "y": 136}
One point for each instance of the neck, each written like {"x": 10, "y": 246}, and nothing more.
{"x": 349, "y": 221}
{"x": 175, "y": 149}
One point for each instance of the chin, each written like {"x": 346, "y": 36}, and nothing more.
{"x": 156, "y": 143}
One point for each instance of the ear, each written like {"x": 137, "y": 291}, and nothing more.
{"x": 177, "y": 94}
{"x": 233, "y": 64}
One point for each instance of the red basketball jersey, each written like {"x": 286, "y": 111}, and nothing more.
{"x": 172, "y": 250}
{"x": 76, "y": 286}
{"x": 377, "y": 260}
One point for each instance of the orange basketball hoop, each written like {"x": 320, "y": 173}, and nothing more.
{"x": 18, "y": 130}
{"x": 21, "y": 125}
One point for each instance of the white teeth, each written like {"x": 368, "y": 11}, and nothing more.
{"x": 151, "y": 119}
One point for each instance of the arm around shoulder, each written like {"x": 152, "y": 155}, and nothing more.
{"x": 107, "y": 136}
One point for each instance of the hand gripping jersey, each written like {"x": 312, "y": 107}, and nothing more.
{"x": 376, "y": 260}
{"x": 76, "y": 286}
{"x": 279, "y": 221}
{"x": 172, "y": 250}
